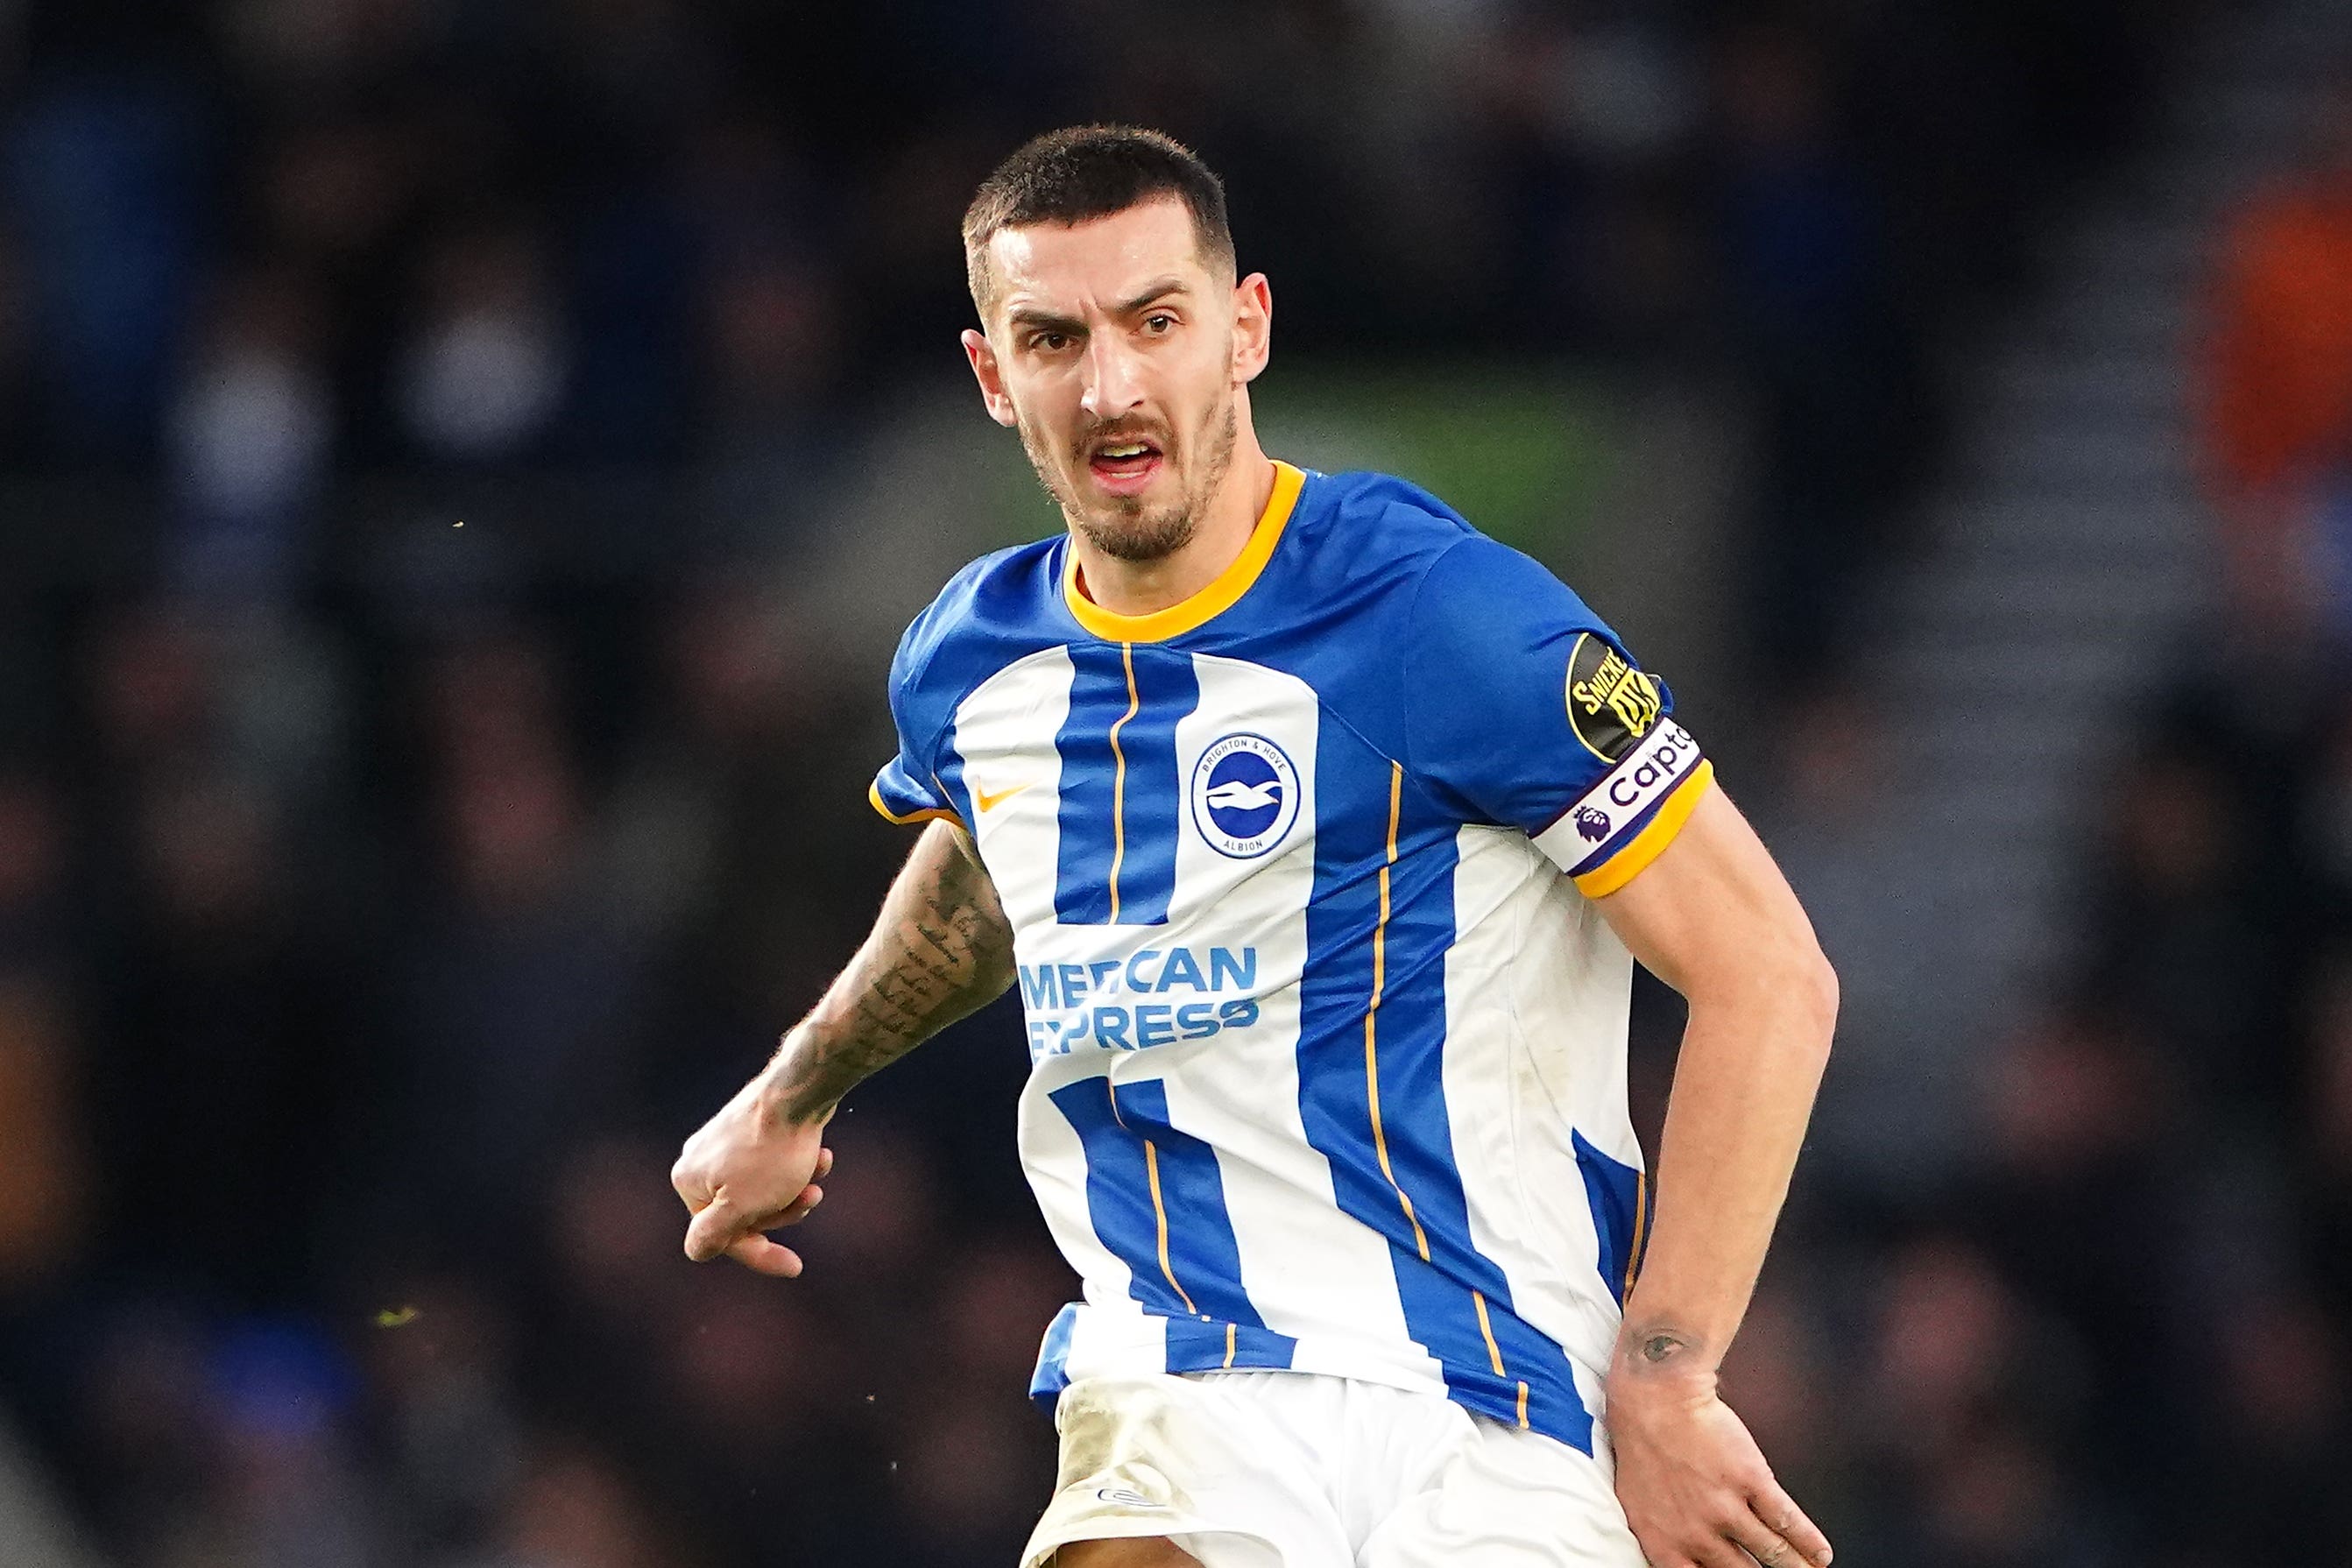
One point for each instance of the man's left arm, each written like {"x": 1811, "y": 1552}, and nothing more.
{"x": 1713, "y": 917}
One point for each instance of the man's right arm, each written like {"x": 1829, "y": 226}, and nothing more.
{"x": 942, "y": 949}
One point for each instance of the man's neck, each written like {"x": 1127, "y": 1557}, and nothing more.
{"x": 1143, "y": 588}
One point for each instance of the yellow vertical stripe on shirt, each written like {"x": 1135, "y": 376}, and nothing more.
{"x": 1486, "y": 1332}
{"x": 1118, "y": 779}
{"x": 1160, "y": 1211}
{"x": 1371, "y": 1013}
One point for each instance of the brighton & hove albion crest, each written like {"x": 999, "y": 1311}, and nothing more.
{"x": 1244, "y": 796}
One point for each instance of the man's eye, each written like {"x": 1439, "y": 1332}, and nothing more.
{"x": 1052, "y": 343}
{"x": 1160, "y": 322}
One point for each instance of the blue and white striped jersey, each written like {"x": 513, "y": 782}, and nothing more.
{"x": 1327, "y": 1041}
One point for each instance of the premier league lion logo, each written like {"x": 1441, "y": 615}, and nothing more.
{"x": 1591, "y": 824}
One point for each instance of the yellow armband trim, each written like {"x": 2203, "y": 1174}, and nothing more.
{"x": 1629, "y": 862}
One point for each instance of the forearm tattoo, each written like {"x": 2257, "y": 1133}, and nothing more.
{"x": 940, "y": 950}
{"x": 1659, "y": 1347}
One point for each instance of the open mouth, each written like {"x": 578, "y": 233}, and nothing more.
{"x": 1124, "y": 464}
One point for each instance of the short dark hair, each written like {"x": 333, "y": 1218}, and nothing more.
{"x": 1084, "y": 172}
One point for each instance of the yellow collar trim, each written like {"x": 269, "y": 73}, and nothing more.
{"x": 1211, "y": 601}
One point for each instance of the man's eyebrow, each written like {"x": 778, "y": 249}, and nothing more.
{"x": 1037, "y": 316}
{"x": 1157, "y": 290}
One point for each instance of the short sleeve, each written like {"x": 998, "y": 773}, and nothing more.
{"x": 1523, "y": 708}
{"x": 907, "y": 790}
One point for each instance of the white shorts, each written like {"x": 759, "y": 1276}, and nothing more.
{"x": 1287, "y": 1470}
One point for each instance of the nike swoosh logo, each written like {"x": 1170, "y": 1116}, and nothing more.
{"x": 991, "y": 802}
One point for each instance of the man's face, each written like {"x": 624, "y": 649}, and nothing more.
{"x": 1111, "y": 346}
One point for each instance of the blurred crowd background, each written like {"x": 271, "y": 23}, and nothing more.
{"x": 441, "y": 657}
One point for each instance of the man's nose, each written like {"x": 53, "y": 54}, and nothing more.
{"x": 1113, "y": 385}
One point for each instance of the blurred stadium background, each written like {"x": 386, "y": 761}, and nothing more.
{"x": 462, "y": 467}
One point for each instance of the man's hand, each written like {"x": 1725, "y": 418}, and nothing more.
{"x": 1695, "y": 1485}
{"x": 746, "y": 1171}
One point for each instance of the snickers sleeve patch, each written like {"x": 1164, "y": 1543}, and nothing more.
{"x": 1611, "y": 704}
{"x": 1524, "y": 710}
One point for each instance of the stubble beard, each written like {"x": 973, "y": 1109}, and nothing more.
{"x": 1127, "y": 530}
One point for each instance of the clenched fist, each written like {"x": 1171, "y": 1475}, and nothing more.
{"x": 750, "y": 1170}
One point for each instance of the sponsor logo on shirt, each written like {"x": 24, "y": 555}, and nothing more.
{"x": 987, "y": 802}
{"x": 1153, "y": 996}
{"x": 1244, "y": 796}
{"x": 1643, "y": 778}
{"x": 1611, "y": 704}
{"x": 1605, "y": 817}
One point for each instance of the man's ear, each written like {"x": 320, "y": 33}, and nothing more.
{"x": 1253, "y": 327}
{"x": 990, "y": 376}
